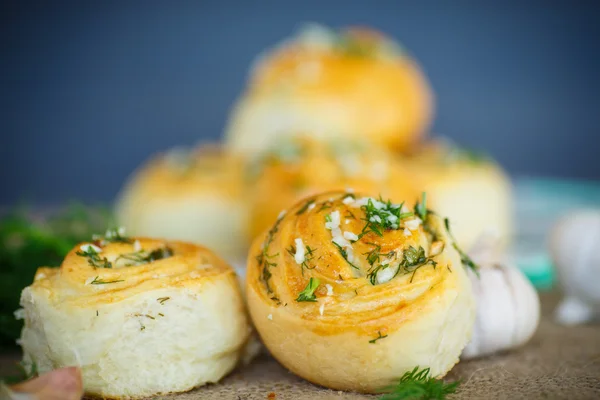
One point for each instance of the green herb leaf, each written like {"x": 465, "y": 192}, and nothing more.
{"x": 305, "y": 207}
{"x": 419, "y": 385}
{"x": 94, "y": 258}
{"x": 464, "y": 257}
{"x": 344, "y": 254}
{"x": 114, "y": 235}
{"x": 145, "y": 257}
{"x": 308, "y": 294}
{"x": 97, "y": 281}
{"x": 421, "y": 207}
{"x": 382, "y": 215}
{"x": 378, "y": 337}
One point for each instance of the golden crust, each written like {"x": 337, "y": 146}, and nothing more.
{"x": 316, "y": 167}
{"x": 196, "y": 196}
{"x": 356, "y": 87}
{"x": 76, "y": 281}
{"x": 469, "y": 188}
{"x": 422, "y": 317}
{"x": 174, "y": 308}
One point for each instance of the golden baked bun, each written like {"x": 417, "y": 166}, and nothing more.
{"x": 355, "y": 83}
{"x": 352, "y": 305}
{"x": 300, "y": 166}
{"x": 471, "y": 189}
{"x": 191, "y": 195}
{"x": 140, "y": 316}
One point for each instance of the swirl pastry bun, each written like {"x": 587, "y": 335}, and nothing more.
{"x": 301, "y": 166}
{"x": 139, "y": 316}
{"x": 355, "y": 83}
{"x": 190, "y": 195}
{"x": 353, "y": 305}
{"x": 471, "y": 189}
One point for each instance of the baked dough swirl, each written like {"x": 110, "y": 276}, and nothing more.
{"x": 353, "y": 83}
{"x": 350, "y": 292}
{"x": 195, "y": 195}
{"x": 140, "y": 316}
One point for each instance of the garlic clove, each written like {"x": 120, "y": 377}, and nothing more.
{"x": 60, "y": 384}
{"x": 574, "y": 244}
{"x": 573, "y": 311}
{"x": 508, "y": 310}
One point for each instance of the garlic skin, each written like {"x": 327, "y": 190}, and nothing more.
{"x": 574, "y": 247}
{"x": 508, "y": 310}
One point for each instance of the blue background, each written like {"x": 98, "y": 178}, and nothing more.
{"x": 91, "y": 89}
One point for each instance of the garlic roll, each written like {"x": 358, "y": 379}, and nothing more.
{"x": 139, "y": 316}
{"x": 354, "y": 83}
{"x": 195, "y": 195}
{"x": 350, "y": 292}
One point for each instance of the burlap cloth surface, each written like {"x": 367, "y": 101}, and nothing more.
{"x": 558, "y": 363}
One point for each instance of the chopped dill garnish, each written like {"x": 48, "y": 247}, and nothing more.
{"x": 115, "y": 235}
{"x": 308, "y": 294}
{"x": 144, "y": 315}
{"x": 464, "y": 257}
{"x": 421, "y": 207}
{"x": 94, "y": 258}
{"x": 162, "y": 300}
{"x": 419, "y": 385}
{"x": 374, "y": 256}
{"x": 344, "y": 254}
{"x": 309, "y": 256}
{"x": 145, "y": 257}
{"x": 349, "y": 215}
{"x": 263, "y": 257}
{"x": 305, "y": 207}
{"x": 97, "y": 281}
{"x": 381, "y": 216}
{"x": 325, "y": 205}
{"x": 379, "y": 336}
{"x": 372, "y": 276}
{"x": 413, "y": 259}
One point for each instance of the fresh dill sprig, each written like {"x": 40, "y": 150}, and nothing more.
{"x": 374, "y": 256}
{"x": 382, "y": 215}
{"x": 379, "y": 336}
{"x": 305, "y": 207}
{"x": 94, "y": 258}
{"x": 344, "y": 254}
{"x": 97, "y": 281}
{"x": 309, "y": 256}
{"x": 325, "y": 205}
{"x": 413, "y": 259}
{"x": 145, "y": 257}
{"x": 113, "y": 235}
{"x": 308, "y": 294}
{"x": 162, "y": 300}
{"x": 263, "y": 257}
{"x": 421, "y": 207}
{"x": 419, "y": 385}
{"x": 464, "y": 257}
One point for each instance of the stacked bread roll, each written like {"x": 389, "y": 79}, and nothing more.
{"x": 350, "y": 292}
{"x": 139, "y": 316}
{"x": 355, "y": 83}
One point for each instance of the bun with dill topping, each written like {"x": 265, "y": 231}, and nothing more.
{"x": 355, "y": 83}
{"x": 354, "y": 292}
{"x": 139, "y": 316}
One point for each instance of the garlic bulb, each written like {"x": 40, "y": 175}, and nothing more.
{"x": 508, "y": 307}
{"x": 574, "y": 246}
